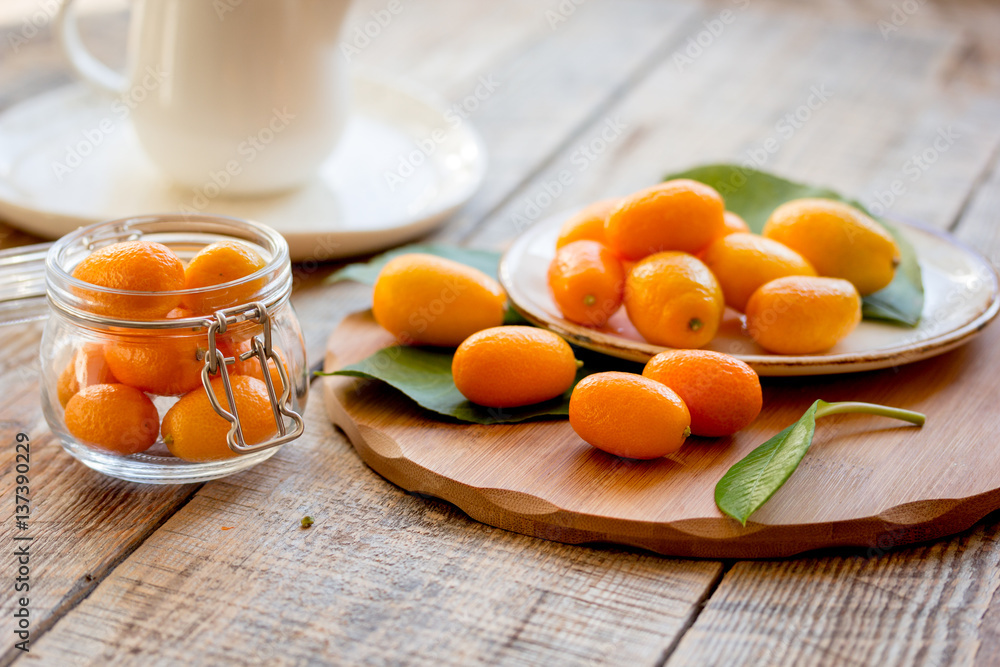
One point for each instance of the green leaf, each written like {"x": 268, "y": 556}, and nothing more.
{"x": 754, "y": 194}
{"x": 366, "y": 272}
{"x": 752, "y": 481}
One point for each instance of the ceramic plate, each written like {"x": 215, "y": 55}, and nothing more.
{"x": 961, "y": 297}
{"x": 70, "y": 157}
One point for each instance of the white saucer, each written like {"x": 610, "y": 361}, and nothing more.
{"x": 349, "y": 209}
{"x": 961, "y": 296}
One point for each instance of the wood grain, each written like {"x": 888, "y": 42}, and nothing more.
{"x": 973, "y": 24}
{"x": 492, "y": 41}
{"x": 592, "y": 56}
{"x": 942, "y": 67}
{"x": 883, "y": 106}
{"x": 862, "y": 480}
{"x": 82, "y": 523}
{"x": 917, "y": 606}
{"x": 937, "y": 604}
{"x": 119, "y": 516}
{"x": 382, "y": 577}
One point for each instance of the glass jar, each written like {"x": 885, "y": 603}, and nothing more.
{"x": 207, "y": 352}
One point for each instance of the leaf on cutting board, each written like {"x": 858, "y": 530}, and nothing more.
{"x": 424, "y": 375}
{"x": 366, "y": 272}
{"x": 754, "y": 194}
{"x": 753, "y": 480}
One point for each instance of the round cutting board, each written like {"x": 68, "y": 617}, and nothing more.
{"x": 866, "y": 481}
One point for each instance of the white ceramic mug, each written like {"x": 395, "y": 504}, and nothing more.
{"x": 251, "y": 95}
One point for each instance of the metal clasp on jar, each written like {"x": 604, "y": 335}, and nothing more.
{"x": 215, "y": 362}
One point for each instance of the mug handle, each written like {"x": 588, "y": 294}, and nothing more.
{"x": 87, "y": 66}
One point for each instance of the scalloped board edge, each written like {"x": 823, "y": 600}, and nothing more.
{"x": 714, "y": 538}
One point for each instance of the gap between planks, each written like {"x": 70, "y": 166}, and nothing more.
{"x": 614, "y": 97}
{"x": 696, "y": 610}
{"x": 89, "y": 583}
{"x": 981, "y": 181}
{"x": 83, "y": 588}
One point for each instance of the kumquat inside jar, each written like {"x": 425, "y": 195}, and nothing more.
{"x": 172, "y": 353}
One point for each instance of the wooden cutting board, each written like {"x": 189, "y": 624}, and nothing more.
{"x": 867, "y": 481}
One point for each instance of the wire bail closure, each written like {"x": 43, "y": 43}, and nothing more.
{"x": 216, "y": 362}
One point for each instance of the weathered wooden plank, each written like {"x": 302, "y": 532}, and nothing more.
{"x": 892, "y": 107}
{"x": 918, "y": 606}
{"x": 849, "y": 110}
{"x": 980, "y": 228}
{"x": 381, "y": 578}
{"x": 81, "y": 523}
{"x": 445, "y": 46}
{"x": 545, "y": 622}
{"x": 319, "y": 307}
{"x": 972, "y": 67}
{"x": 547, "y": 91}
{"x": 118, "y": 516}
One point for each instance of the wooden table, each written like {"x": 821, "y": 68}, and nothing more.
{"x": 222, "y": 573}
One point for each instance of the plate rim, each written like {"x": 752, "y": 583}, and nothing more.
{"x": 766, "y": 365}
